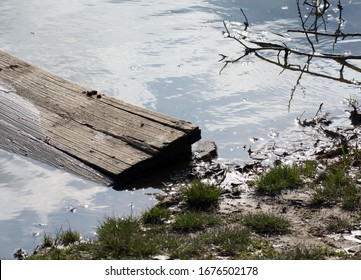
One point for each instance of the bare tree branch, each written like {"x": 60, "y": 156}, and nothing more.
{"x": 246, "y": 23}
{"x": 303, "y": 23}
{"x": 257, "y": 47}
{"x": 336, "y": 34}
{"x": 297, "y": 68}
{"x": 340, "y": 21}
{"x": 267, "y": 50}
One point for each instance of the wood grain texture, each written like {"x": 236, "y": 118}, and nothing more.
{"x": 43, "y": 115}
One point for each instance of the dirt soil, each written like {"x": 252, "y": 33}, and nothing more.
{"x": 309, "y": 221}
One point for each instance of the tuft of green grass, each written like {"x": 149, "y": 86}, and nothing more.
{"x": 302, "y": 252}
{"x": 56, "y": 254}
{"x": 338, "y": 225}
{"x": 194, "y": 220}
{"x": 264, "y": 223}
{"x": 224, "y": 241}
{"x": 351, "y": 198}
{"x": 279, "y": 178}
{"x": 200, "y": 195}
{"x": 338, "y": 187}
{"x": 65, "y": 246}
{"x": 67, "y": 237}
{"x": 156, "y": 215}
{"x": 230, "y": 241}
{"x": 123, "y": 238}
{"x": 47, "y": 242}
{"x": 179, "y": 246}
{"x": 308, "y": 168}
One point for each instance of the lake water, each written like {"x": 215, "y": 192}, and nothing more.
{"x": 164, "y": 56}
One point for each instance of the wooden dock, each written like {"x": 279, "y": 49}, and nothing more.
{"x": 80, "y": 130}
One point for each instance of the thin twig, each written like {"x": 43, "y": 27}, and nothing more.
{"x": 340, "y": 19}
{"x": 298, "y": 82}
{"x": 256, "y": 47}
{"x": 297, "y": 68}
{"x": 319, "y": 109}
{"x": 336, "y": 34}
{"x": 246, "y": 23}
{"x": 303, "y": 26}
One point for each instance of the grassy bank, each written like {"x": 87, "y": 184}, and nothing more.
{"x": 192, "y": 225}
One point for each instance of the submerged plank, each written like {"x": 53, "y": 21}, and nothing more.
{"x": 42, "y": 114}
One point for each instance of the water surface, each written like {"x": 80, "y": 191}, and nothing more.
{"x": 164, "y": 56}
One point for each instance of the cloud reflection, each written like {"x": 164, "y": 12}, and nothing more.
{"x": 34, "y": 186}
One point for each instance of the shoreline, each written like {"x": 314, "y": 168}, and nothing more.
{"x": 307, "y": 218}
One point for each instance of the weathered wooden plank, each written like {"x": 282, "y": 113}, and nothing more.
{"x": 107, "y": 134}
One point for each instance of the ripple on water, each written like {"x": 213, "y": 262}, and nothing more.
{"x": 161, "y": 55}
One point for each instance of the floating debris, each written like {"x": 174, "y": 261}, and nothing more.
{"x": 317, "y": 119}
{"x": 72, "y": 209}
{"x": 255, "y": 139}
{"x": 40, "y": 225}
{"x": 272, "y": 133}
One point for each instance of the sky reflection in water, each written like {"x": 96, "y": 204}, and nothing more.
{"x": 38, "y": 199}
{"x": 162, "y": 55}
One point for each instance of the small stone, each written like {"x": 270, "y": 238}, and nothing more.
{"x": 205, "y": 150}
{"x": 20, "y": 254}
